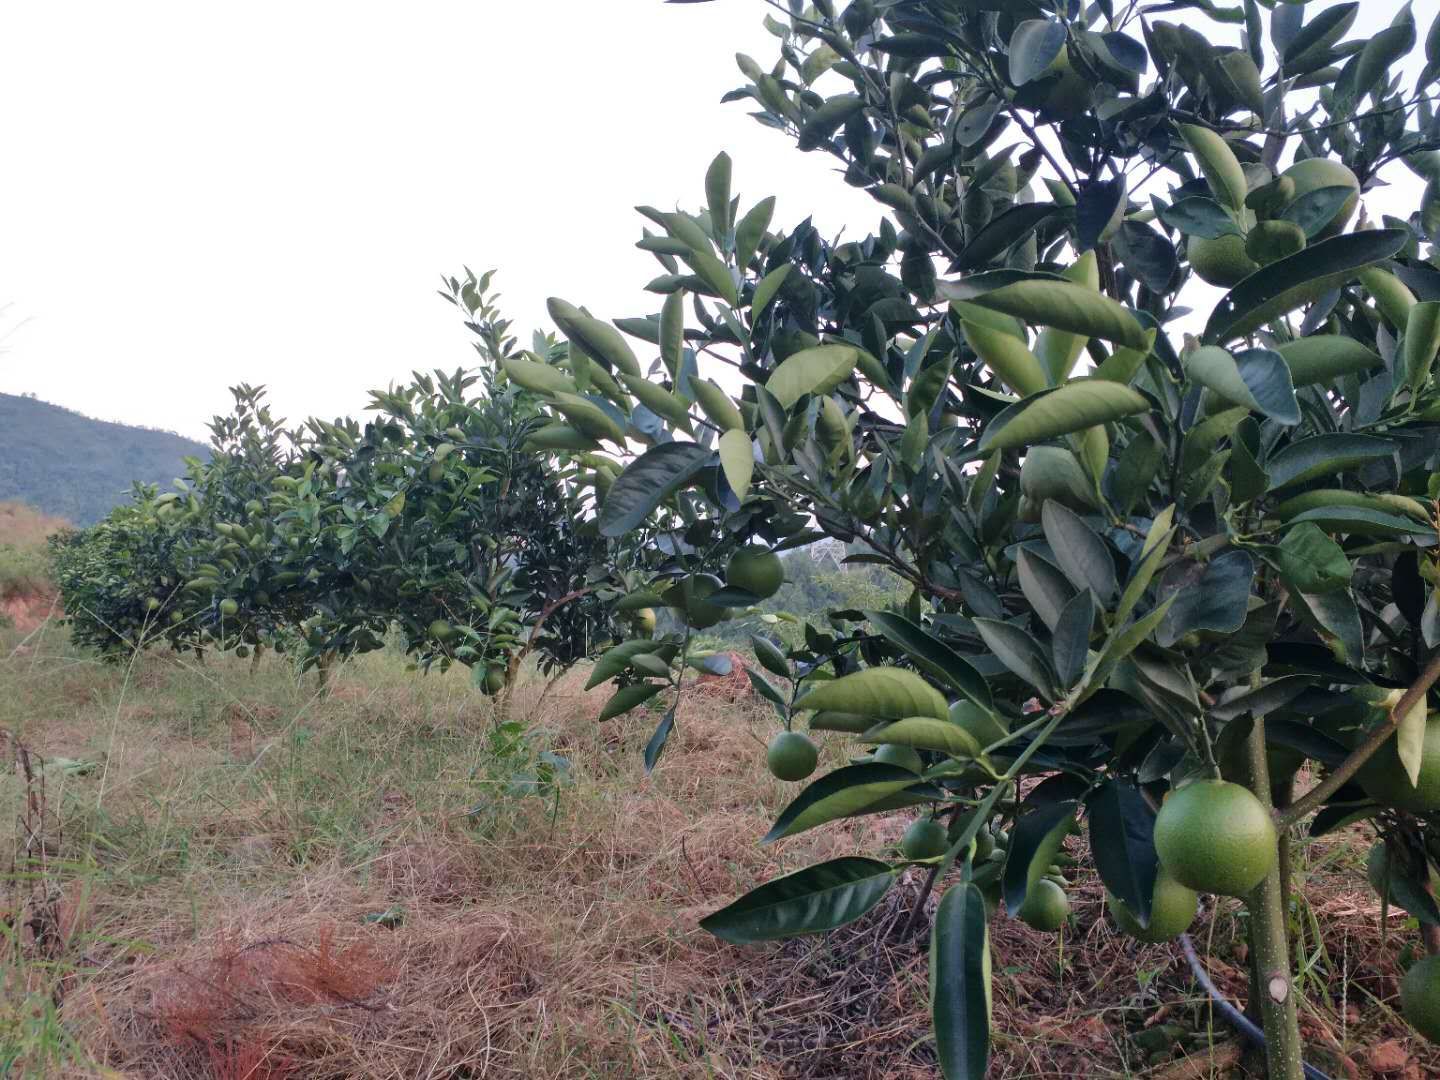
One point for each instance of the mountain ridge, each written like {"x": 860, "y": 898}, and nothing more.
{"x": 70, "y": 465}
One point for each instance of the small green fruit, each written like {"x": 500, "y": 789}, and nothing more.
{"x": 1046, "y": 906}
{"x": 924, "y": 839}
{"x": 644, "y": 621}
{"x": 791, "y": 756}
{"x": 1386, "y": 781}
{"x": 1312, "y": 174}
{"x": 1221, "y": 261}
{"x": 904, "y": 756}
{"x": 1172, "y": 910}
{"x": 1272, "y": 240}
{"x": 229, "y": 608}
{"x": 688, "y": 596}
{"x": 441, "y": 630}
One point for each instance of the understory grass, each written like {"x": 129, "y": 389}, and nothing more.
{"x": 215, "y": 872}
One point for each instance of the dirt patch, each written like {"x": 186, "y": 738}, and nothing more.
{"x": 28, "y": 612}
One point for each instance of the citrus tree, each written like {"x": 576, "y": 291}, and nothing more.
{"x": 1166, "y": 545}
{"x": 439, "y": 518}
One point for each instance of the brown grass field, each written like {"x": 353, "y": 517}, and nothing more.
{"x": 213, "y": 873}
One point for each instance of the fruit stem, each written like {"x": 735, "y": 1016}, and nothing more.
{"x": 1342, "y": 773}
{"x": 1269, "y": 941}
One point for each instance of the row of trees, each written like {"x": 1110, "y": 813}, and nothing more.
{"x": 1157, "y": 559}
{"x": 436, "y": 518}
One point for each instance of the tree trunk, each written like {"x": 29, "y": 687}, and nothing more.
{"x": 1270, "y": 942}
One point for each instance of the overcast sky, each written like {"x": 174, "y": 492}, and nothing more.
{"x": 198, "y": 194}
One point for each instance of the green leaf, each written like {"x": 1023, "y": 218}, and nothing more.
{"x": 1218, "y": 162}
{"x": 1422, "y": 342}
{"x": 1034, "y": 45}
{"x": 1079, "y": 404}
{"x": 672, "y": 332}
{"x": 826, "y": 120}
{"x": 770, "y": 657}
{"x": 714, "y": 274}
{"x": 1125, "y": 642}
{"x": 1361, "y": 521}
{"x": 1122, "y": 843}
{"x": 750, "y": 232}
{"x": 737, "y": 459}
{"x": 1002, "y": 233}
{"x": 1325, "y": 455}
{"x": 1336, "y": 619}
{"x": 1322, "y": 358}
{"x": 1258, "y": 379}
{"x": 1046, "y": 589}
{"x": 656, "y": 745}
{"x": 768, "y": 289}
{"x": 809, "y": 901}
{"x": 717, "y": 193}
{"x": 615, "y": 660}
{"x": 1067, "y": 306}
{"x": 1214, "y": 595}
{"x": 541, "y": 378}
{"x": 1008, "y": 357}
{"x": 595, "y": 337}
{"x": 1309, "y": 561}
{"x": 817, "y": 370}
{"x": 1315, "y": 210}
{"x": 960, "y": 983}
{"x": 1299, "y": 279}
{"x": 1070, "y": 643}
{"x": 1019, "y": 652}
{"x": 658, "y": 400}
{"x": 932, "y": 655}
{"x": 627, "y": 698}
{"x": 886, "y": 693}
{"x": 1035, "y": 840}
{"x": 647, "y": 482}
{"x": 1081, "y": 553}
{"x": 1200, "y": 217}
{"x": 842, "y": 793}
{"x": 926, "y": 733}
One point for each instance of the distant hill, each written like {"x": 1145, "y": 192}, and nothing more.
{"x": 77, "y": 468}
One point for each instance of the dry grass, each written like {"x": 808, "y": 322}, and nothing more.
{"x": 228, "y": 877}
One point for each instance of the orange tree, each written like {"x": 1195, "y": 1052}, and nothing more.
{"x": 438, "y": 517}
{"x": 1159, "y": 558}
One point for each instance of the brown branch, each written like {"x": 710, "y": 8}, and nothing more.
{"x": 1338, "y": 777}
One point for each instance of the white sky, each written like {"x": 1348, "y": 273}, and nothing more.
{"x": 198, "y": 194}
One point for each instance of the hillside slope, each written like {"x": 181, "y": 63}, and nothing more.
{"x": 77, "y": 468}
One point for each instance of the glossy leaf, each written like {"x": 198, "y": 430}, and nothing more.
{"x": 1081, "y": 553}
{"x": 1290, "y": 283}
{"x": 1035, "y": 840}
{"x": 647, "y": 482}
{"x": 1257, "y": 379}
{"x": 1080, "y": 404}
{"x": 809, "y": 901}
{"x": 629, "y": 697}
{"x": 1122, "y": 844}
{"x": 885, "y": 693}
{"x": 960, "y": 983}
{"x": 737, "y": 458}
{"x": 926, "y": 733}
{"x": 817, "y": 370}
{"x": 846, "y": 791}
{"x": 1324, "y": 455}
{"x": 1067, "y": 306}
{"x": 932, "y": 655}
{"x": 1019, "y": 652}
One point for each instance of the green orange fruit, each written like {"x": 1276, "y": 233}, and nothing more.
{"x": 644, "y": 621}
{"x": 756, "y": 571}
{"x": 907, "y": 757}
{"x": 924, "y": 839}
{"x": 791, "y": 756}
{"x": 1172, "y": 910}
{"x": 1046, "y": 906}
{"x": 1386, "y": 781}
{"x": 229, "y": 608}
{"x": 1072, "y": 93}
{"x": 441, "y": 630}
{"x": 688, "y": 597}
{"x": 1221, "y": 261}
{"x": 1420, "y": 997}
{"x": 1315, "y": 173}
{"x": 1214, "y": 836}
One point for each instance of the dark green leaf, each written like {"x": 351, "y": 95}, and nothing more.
{"x": 1325, "y": 455}
{"x": 647, "y": 482}
{"x": 932, "y": 655}
{"x": 809, "y": 901}
{"x": 1019, "y": 652}
{"x": 1033, "y": 48}
{"x": 1122, "y": 843}
{"x": 1034, "y": 842}
{"x": 846, "y": 791}
{"x": 1257, "y": 379}
{"x": 1199, "y": 216}
{"x": 1309, "y": 561}
{"x": 657, "y": 742}
{"x": 1208, "y": 596}
{"x": 1081, "y": 553}
{"x": 1289, "y": 283}
{"x": 1001, "y": 234}
{"x": 1071, "y": 640}
{"x": 960, "y": 983}
{"x": 628, "y": 697}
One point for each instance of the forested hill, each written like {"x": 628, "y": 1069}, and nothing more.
{"x": 77, "y": 468}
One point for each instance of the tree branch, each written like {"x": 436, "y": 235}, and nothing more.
{"x": 1342, "y": 773}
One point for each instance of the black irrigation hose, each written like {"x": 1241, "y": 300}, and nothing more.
{"x": 1236, "y": 1018}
